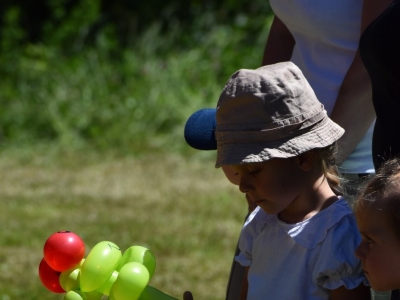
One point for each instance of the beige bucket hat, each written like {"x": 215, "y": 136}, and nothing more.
{"x": 270, "y": 112}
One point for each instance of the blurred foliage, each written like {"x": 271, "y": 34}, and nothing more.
{"x": 73, "y": 22}
{"x": 121, "y": 74}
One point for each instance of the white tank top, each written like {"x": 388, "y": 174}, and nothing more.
{"x": 327, "y": 33}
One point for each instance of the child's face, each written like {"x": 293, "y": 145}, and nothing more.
{"x": 379, "y": 249}
{"x": 231, "y": 174}
{"x": 273, "y": 185}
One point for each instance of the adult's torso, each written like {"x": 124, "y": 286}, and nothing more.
{"x": 327, "y": 34}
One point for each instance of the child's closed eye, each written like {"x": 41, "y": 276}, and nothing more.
{"x": 367, "y": 239}
{"x": 254, "y": 171}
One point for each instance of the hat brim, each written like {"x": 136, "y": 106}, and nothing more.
{"x": 323, "y": 134}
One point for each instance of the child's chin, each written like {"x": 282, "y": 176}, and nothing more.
{"x": 269, "y": 211}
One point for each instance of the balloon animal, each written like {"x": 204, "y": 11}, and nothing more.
{"x": 105, "y": 270}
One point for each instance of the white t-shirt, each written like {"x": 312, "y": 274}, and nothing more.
{"x": 327, "y": 33}
{"x": 304, "y": 260}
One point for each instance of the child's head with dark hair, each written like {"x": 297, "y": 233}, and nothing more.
{"x": 377, "y": 210}
{"x": 383, "y": 193}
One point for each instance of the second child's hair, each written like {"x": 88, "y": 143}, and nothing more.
{"x": 383, "y": 193}
{"x": 328, "y": 164}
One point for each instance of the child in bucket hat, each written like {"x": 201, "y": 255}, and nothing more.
{"x": 273, "y": 132}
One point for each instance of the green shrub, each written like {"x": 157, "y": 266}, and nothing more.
{"x": 132, "y": 99}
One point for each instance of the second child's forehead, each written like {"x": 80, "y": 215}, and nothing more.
{"x": 372, "y": 220}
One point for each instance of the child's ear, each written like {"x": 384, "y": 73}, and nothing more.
{"x": 306, "y": 160}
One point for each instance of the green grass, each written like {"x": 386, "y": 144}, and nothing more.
{"x": 181, "y": 208}
{"x": 91, "y": 140}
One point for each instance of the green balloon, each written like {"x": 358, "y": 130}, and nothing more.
{"x": 99, "y": 265}
{"x": 95, "y": 295}
{"x": 75, "y": 295}
{"x": 70, "y": 279}
{"x": 106, "y": 287}
{"x": 131, "y": 281}
{"x": 111, "y": 296}
{"x": 141, "y": 255}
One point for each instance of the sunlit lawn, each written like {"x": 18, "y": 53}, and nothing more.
{"x": 182, "y": 209}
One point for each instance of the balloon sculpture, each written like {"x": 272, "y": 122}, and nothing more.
{"x": 105, "y": 271}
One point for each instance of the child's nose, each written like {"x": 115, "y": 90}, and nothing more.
{"x": 244, "y": 186}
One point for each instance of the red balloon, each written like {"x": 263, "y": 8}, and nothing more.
{"x": 63, "y": 250}
{"x": 49, "y": 277}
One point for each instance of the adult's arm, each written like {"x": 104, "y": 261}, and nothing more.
{"x": 353, "y": 108}
{"x": 279, "y": 45}
{"x": 243, "y": 291}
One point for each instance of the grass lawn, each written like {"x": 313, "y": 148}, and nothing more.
{"x": 182, "y": 209}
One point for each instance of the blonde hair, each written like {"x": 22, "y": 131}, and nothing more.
{"x": 327, "y": 158}
{"x": 383, "y": 193}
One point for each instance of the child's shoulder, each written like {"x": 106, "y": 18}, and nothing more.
{"x": 330, "y": 225}
{"x": 335, "y": 212}
{"x": 335, "y": 223}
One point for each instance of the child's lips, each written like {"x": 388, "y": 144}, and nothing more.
{"x": 257, "y": 201}
{"x": 250, "y": 198}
